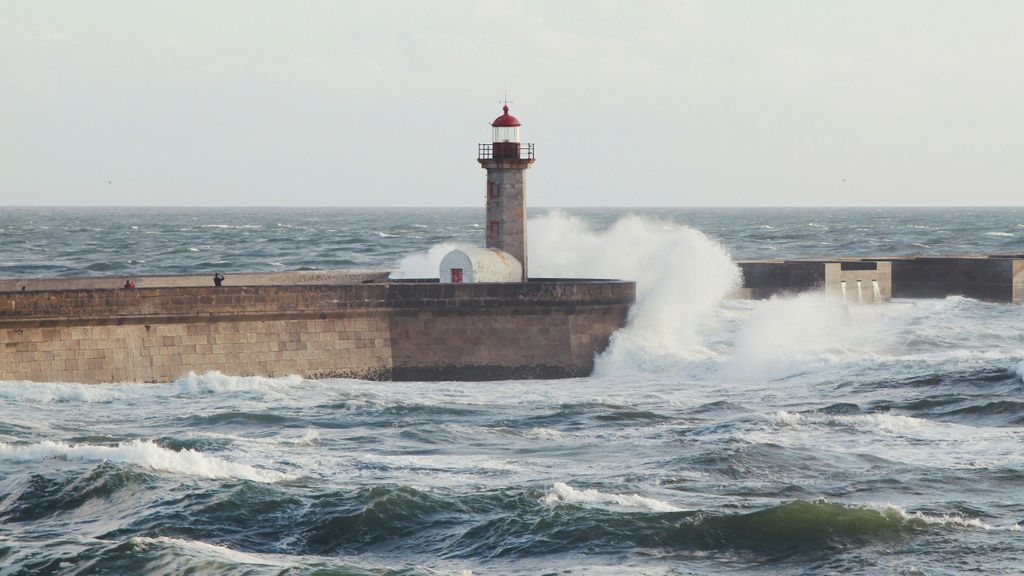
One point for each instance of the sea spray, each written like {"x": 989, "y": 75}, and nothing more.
{"x": 425, "y": 264}
{"x": 682, "y": 276}
{"x": 787, "y": 335}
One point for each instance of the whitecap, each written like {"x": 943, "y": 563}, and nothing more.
{"x": 205, "y": 549}
{"x": 212, "y": 382}
{"x": 885, "y": 422}
{"x": 955, "y": 519}
{"x": 783, "y": 418}
{"x": 562, "y": 493}
{"x": 217, "y": 382}
{"x": 541, "y": 433}
{"x": 310, "y": 438}
{"x": 447, "y": 463}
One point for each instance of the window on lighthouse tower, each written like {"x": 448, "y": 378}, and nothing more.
{"x": 506, "y": 133}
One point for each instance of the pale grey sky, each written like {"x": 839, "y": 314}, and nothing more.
{"x": 630, "y": 103}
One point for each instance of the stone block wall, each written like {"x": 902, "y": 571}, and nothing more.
{"x": 371, "y": 331}
{"x": 157, "y": 352}
{"x": 492, "y": 343}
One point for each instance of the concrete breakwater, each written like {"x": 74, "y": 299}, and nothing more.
{"x": 989, "y": 277}
{"x": 375, "y": 329}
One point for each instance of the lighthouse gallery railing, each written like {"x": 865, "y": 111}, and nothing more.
{"x": 506, "y": 151}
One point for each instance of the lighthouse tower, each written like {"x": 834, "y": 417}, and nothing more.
{"x": 506, "y": 161}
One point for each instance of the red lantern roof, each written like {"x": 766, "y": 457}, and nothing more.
{"x": 505, "y": 119}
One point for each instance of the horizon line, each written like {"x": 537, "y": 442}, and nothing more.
{"x": 438, "y": 207}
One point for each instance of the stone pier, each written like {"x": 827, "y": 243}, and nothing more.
{"x": 378, "y": 330}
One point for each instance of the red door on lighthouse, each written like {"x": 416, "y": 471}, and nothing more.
{"x": 456, "y": 275}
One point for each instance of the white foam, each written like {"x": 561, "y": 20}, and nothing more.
{"x": 310, "y": 438}
{"x": 205, "y": 549}
{"x": 790, "y": 335}
{"x": 883, "y": 421}
{"x": 192, "y": 384}
{"x": 142, "y": 453}
{"x": 891, "y": 510}
{"x": 1001, "y": 234}
{"x": 465, "y": 463}
{"x": 542, "y": 433}
{"x": 425, "y": 264}
{"x": 784, "y": 418}
{"x": 47, "y": 392}
{"x": 216, "y": 382}
{"x": 563, "y": 493}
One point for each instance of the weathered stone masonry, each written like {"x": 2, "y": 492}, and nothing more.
{"x": 374, "y": 331}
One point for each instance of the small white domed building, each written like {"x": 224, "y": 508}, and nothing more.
{"x": 469, "y": 265}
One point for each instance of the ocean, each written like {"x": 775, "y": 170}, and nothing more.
{"x": 795, "y": 435}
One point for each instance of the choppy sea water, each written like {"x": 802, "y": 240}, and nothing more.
{"x": 790, "y": 436}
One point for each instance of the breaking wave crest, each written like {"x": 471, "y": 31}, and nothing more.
{"x": 885, "y": 422}
{"x": 142, "y": 453}
{"x": 215, "y": 382}
{"x": 563, "y": 493}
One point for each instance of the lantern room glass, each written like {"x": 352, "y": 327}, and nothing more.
{"x": 506, "y": 134}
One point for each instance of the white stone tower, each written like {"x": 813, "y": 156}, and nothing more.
{"x": 506, "y": 161}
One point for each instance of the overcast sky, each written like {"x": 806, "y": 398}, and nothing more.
{"x": 630, "y": 103}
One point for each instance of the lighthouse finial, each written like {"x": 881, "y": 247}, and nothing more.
{"x": 506, "y": 102}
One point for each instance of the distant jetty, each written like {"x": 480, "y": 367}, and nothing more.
{"x": 989, "y": 277}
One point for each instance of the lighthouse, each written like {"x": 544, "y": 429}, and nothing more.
{"x": 503, "y": 259}
{"x": 506, "y": 161}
